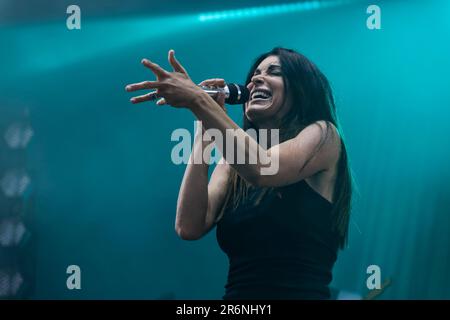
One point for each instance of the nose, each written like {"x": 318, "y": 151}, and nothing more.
{"x": 256, "y": 79}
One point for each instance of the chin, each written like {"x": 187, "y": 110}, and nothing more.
{"x": 255, "y": 111}
{"x": 259, "y": 112}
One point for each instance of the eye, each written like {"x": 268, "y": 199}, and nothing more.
{"x": 276, "y": 71}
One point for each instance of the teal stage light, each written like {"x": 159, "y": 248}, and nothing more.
{"x": 270, "y": 10}
{"x": 46, "y": 46}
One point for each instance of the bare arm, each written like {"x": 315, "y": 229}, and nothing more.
{"x": 199, "y": 202}
{"x": 298, "y": 158}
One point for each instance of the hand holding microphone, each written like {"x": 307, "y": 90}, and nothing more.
{"x": 218, "y": 89}
{"x": 177, "y": 89}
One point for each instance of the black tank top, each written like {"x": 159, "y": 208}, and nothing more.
{"x": 283, "y": 248}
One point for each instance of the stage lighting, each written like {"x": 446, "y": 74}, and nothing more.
{"x": 10, "y": 283}
{"x": 270, "y": 10}
{"x": 12, "y": 232}
{"x": 14, "y": 182}
{"x": 18, "y": 135}
{"x": 16, "y": 245}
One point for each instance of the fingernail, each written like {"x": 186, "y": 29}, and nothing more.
{"x": 127, "y": 88}
{"x": 132, "y": 100}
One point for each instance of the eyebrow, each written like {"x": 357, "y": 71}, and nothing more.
{"x": 271, "y": 67}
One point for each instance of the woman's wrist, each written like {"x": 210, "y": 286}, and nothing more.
{"x": 199, "y": 101}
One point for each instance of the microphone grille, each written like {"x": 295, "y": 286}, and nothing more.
{"x": 238, "y": 94}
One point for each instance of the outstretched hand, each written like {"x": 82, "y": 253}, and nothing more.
{"x": 176, "y": 88}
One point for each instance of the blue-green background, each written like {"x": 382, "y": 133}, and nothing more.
{"x": 105, "y": 185}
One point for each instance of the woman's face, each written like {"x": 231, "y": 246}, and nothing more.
{"x": 267, "y": 104}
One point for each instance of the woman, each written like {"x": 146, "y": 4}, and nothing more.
{"x": 281, "y": 232}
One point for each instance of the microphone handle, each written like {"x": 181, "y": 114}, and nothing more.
{"x": 209, "y": 90}
{"x": 238, "y": 95}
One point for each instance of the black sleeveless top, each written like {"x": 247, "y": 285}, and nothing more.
{"x": 283, "y": 248}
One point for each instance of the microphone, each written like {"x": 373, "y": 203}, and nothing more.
{"x": 234, "y": 93}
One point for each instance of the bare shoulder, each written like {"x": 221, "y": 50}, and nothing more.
{"x": 326, "y": 139}
{"x": 328, "y": 131}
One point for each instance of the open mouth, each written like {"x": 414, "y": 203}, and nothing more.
{"x": 261, "y": 95}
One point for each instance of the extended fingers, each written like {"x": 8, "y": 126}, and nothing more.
{"x": 157, "y": 70}
{"x": 145, "y": 97}
{"x": 176, "y": 65}
{"x": 142, "y": 85}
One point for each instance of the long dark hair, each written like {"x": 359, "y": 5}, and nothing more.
{"x": 312, "y": 101}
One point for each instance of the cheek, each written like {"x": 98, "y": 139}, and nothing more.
{"x": 279, "y": 91}
{"x": 279, "y": 98}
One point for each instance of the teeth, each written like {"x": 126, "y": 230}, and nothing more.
{"x": 260, "y": 94}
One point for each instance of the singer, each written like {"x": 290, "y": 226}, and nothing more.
{"x": 281, "y": 232}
